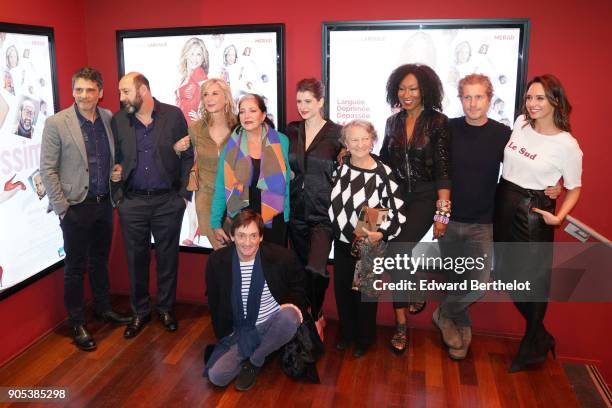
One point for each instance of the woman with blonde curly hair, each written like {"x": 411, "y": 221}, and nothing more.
{"x": 208, "y": 136}
{"x": 193, "y": 68}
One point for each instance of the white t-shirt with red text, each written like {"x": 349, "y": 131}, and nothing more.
{"x": 536, "y": 161}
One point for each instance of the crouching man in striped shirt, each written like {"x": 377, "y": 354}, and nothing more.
{"x": 256, "y": 299}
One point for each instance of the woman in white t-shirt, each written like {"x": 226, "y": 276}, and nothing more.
{"x": 540, "y": 152}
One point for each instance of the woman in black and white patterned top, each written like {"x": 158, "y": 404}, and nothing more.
{"x": 362, "y": 181}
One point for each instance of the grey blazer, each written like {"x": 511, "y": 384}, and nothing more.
{"x": 63, "y": 158}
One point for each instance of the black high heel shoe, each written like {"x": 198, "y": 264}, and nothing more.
{"x": 523, "y": 359}
{"x": 547, "y": 344}
{"x": 527, "y": 356}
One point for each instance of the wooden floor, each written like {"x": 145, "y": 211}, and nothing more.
{"x": 162, "y": 369}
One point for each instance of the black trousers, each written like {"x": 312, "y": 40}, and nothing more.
{"x": 515, "y": 222}
{"x": 420, "y": 208}
{"x": 141, "y": 216}
{"x": 312, "y": 243}
{"x": 277, "y": 234}
{"x": 356, "y": 312}
{"x": 87, "y": 229}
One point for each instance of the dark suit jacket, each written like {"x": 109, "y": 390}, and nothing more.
{"x": 170, "y": 126}
{"x": 283, "y": 273}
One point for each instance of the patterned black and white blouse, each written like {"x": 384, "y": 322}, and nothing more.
{"x": 354, "y": 187}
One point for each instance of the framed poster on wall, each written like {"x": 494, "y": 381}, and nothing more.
{"x": 250, "y": 58}
{"x": 359, "y": 56}
{"x": 31, "y": 243}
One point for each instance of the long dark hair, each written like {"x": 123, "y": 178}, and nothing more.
{"x": 555, "y": 93}
{"x": 430, "y": 85}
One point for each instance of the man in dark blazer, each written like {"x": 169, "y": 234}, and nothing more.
{"x": 77, "y": 156}
{"x": 271, "y": 314}
{"x": 152, "y": 195}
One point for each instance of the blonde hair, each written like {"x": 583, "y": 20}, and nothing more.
{"x": 474, "y": 79}
{"x": 229, "y": 110}
{"x": 183, "y": 61}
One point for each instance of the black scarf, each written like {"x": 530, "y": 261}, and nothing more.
{"x": 244, "y": 327}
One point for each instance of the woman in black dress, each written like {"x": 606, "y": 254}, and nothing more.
{"x": 314, "y": 143}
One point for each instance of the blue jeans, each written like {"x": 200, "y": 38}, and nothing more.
{"x": 465, "y": 240}
{"x": 274, "y": 333}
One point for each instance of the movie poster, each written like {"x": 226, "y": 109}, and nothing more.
{"x": 176, "y": 66}
{"x": 360, "y": 62}
{"x": 246, "y": 61}
{"x": 31, "y": 238}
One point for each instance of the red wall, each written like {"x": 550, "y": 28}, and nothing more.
{"x": 33, "y": 311}
{"x": 567, "y": 40}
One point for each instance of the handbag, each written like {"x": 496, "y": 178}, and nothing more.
{"x": 363, "y": 251}
{"x": 299, "y": 356}
{"x": 364, "y": 276}
{"x": 193, "y": 183}
{"x": 370, "y": 219}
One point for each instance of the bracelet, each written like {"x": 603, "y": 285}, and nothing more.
{"x": 443, "y": 206}
{"x": 443, "y": 203}
{"x": 441, "y": 218}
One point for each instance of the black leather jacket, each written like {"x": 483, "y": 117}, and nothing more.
{"x": 312, "y": 171}
{"x": 418, "y": 166}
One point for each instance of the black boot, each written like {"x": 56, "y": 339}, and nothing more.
{"x": 545, "y": 342}
{"x": 525, "y": 355}
{"x": 537, "y": 341}
{"x": 527, "y": 347}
